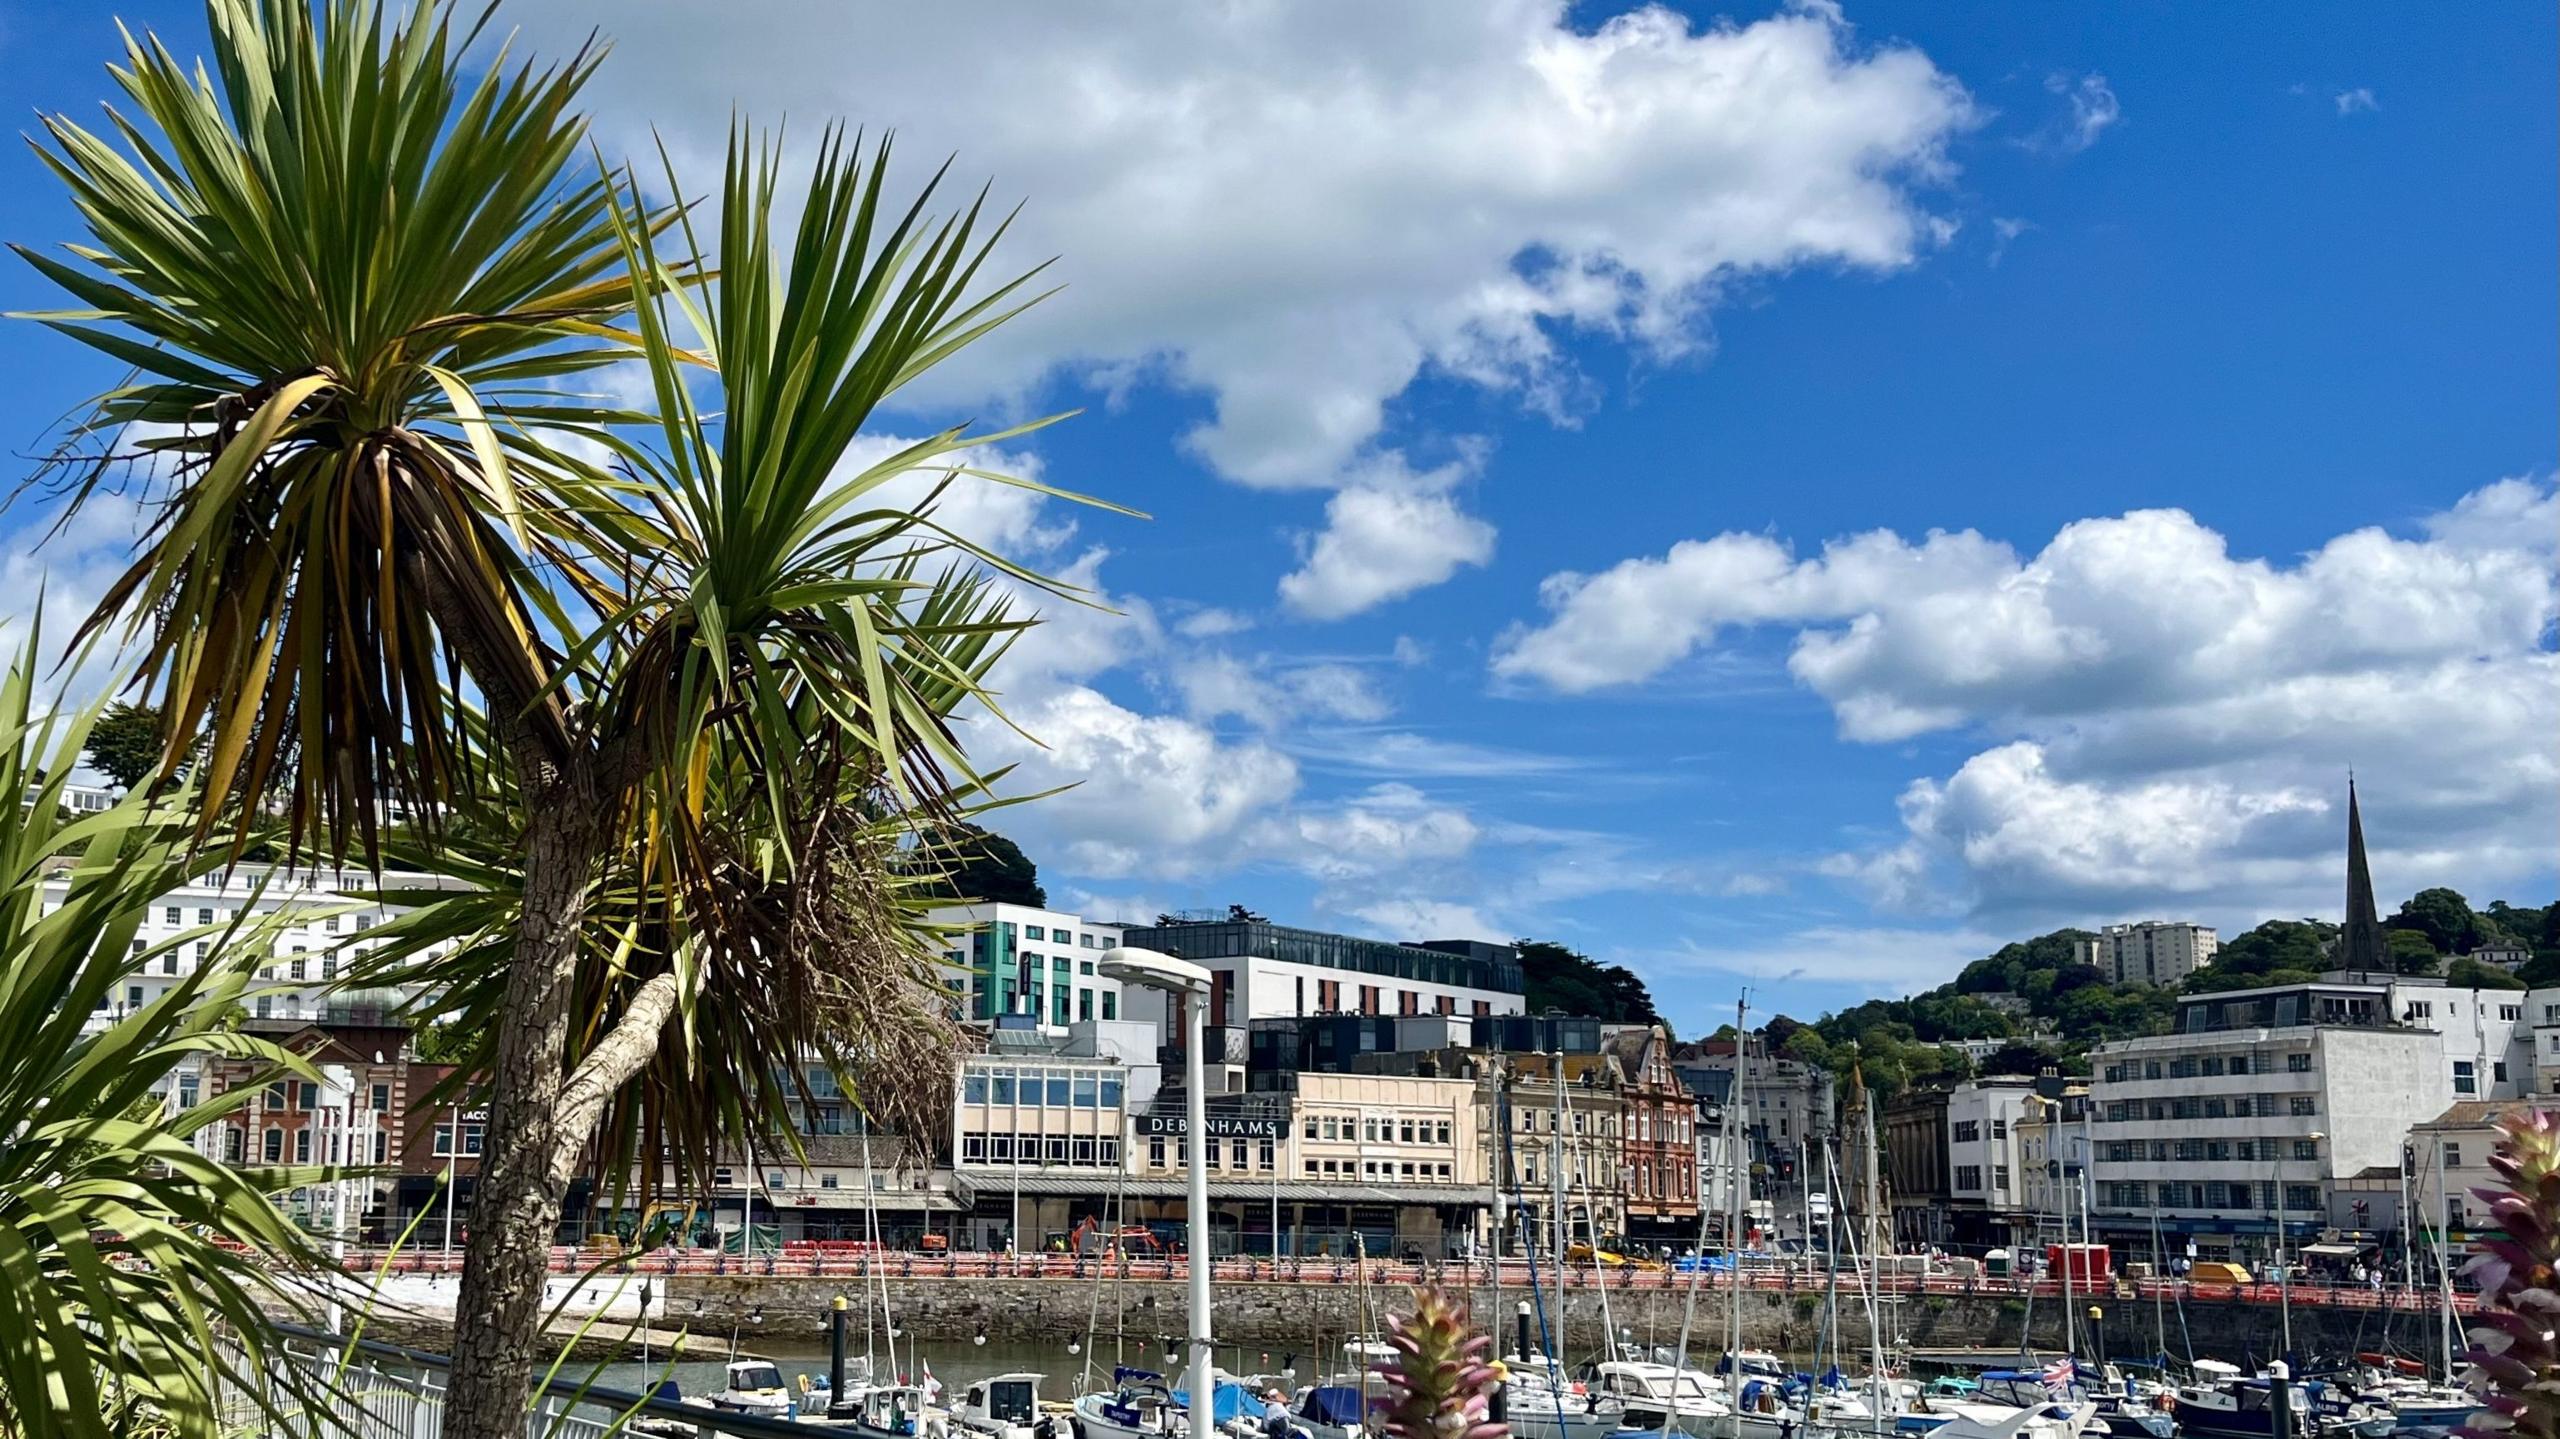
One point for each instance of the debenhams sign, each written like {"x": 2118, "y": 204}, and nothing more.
{"x": 1220, "y": 1126}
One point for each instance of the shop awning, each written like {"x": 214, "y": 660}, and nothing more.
{"x": 2332, "y": 1251}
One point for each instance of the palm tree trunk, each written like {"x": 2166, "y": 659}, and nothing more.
{"x": 515, "y": 1207}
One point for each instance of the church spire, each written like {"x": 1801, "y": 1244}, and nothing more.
{"x": 2360, "y": 942}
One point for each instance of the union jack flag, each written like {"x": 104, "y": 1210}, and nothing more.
{"x": 2059, "y": 1374}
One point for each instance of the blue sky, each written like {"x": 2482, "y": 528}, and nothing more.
{"x": 1496, "y": 377}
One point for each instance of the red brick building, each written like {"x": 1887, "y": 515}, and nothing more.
{"x": 1658, "y": 1164}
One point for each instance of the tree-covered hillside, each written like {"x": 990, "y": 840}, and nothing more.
{"x": 2036, "y": 986}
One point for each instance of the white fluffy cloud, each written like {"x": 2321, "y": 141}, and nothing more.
{"x": 2174, "y": 722}
{"x": 1297, "y": 210}
{"x": 1385, "y": 538}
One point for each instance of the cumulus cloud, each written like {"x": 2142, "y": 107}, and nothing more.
{"x": 2172, "y": 722}
{"x": 1392, "y": 533}
{"x": 1298, "y": 210}
{"x": 2356, "y": 101}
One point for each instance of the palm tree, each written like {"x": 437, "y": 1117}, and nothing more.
{"x": 122, "y": 1246}
{"x": 675, "y": 706}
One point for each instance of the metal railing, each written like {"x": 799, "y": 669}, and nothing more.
{"x": 374, "y": 1390}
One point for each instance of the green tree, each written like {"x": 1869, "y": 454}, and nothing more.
{"x": 2290, "y": 946}
{"x": 124, "y": 1246}
{"x": 972, "y": 863}
{"x": 2443, "y": 916}
{"x": 672, "y": 723}
{"x": 2465, "y": 972}
{"x": 1572, "y": 982}
{"x": 2411, "y": 953}
{"x": 127, "y": 743}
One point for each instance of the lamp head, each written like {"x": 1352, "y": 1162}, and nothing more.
{"x": 1151, "y": 970}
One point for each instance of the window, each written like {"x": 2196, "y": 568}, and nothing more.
{"x": 1000, "y": 1148}
{"x": 973, "y": 1148}
{"x": 1088, "y": 1090}
{"x": 1033, "y": 931}
{"x": 2498, "y": 1071}
{"x": 1309, "y": 1128}
{"x": 302, "y": 1146}
{"x": 1110, "y": 1006}
{"x": 300, "y": 969}
{"x": 176, "y": 919}
{"x": 2306, "y": 1149}
{"x": 2453, "y": 1156}
{"x": 776, "y": 1179}
{"x": 204, "y": 916}
{"x": 1155, "y": 1151}
{"x": 1058, "y": 1091}
{"x": 1002, "y": 1081}
{"x": 2511, "y": 1012}
{"x": 1999, "y": 1128}
{"x": 1268, "y": 1158}
{"x": 1212, "y": 1152}
{"x": 1237, "y": 1154}
{"x": 168, "y": 959}
{"x": 275, "y": 1145}
{"x": 973, "y": 1088}
{"x": 1055, "y": 1149}
{"x": 310, "y": 1096}
{"x": 2303, "y": 1106}
{"x": 2298, "y": 1063}
{"x": 2302, "y": 1196}
{"x": 2000, "y": 1176}
{"x": 2466, "y": 1078}
{"x": 1968, "y": 1176}
{"x": 1968, "y": 1131}
{"x": 381, "y": 1099}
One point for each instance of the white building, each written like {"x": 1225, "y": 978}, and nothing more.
{"x": 1985, "y": 1168}
{"x": 1036, "y": 964}
{"x": 320, "y": 933}
{"x": 2542, "y": 1011}
{"x": 2264, "y": 1098}
{"x": 2152, "y": 951}
{"x": 1262, "y": 970}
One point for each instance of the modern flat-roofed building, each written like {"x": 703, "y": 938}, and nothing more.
{"x": 1262, "y": 970}
{"x": 315, "y": 921}
{"x": 2153, "y": 951}
{"x": 1016, "y": 960}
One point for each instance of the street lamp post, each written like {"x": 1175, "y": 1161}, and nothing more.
{"x": 1188, "y": 983}
{"x": 2284, "y": 1251}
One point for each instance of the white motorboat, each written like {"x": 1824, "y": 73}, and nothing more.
{"x": 897, "y": 1411}
{"x": 1536, "y": 1409}
{"x": 1139, "y": 1406}
{"x": 1006, "y": 1406}
{"x": 753, "y": 1386}
{"x": 1694, "y": 1400}
{"x": 2053, "y": 1419}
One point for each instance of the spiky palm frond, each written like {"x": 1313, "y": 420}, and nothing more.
{"x": 349, "y": 280}
{"x": 121, "y": 1246}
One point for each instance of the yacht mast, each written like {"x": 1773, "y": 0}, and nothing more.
{"x": 1735, "y": 1205}
{"x": 1875, "y": 1300}
{"x": 1555, "y": 1074}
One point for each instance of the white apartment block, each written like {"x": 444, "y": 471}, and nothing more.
{"x": 1261, "y": 970}
{"x": 321, "y": 932}
{"x": 2542, "y": 1011}
{"x": 1037, "y": 966}
{"x": 2264, "y": 1099}
{"x": 1986, "y": 1163}
{"x": 2152, "y": 951}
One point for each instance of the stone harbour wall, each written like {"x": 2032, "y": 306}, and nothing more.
{"x": 1300, "y": 1318}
